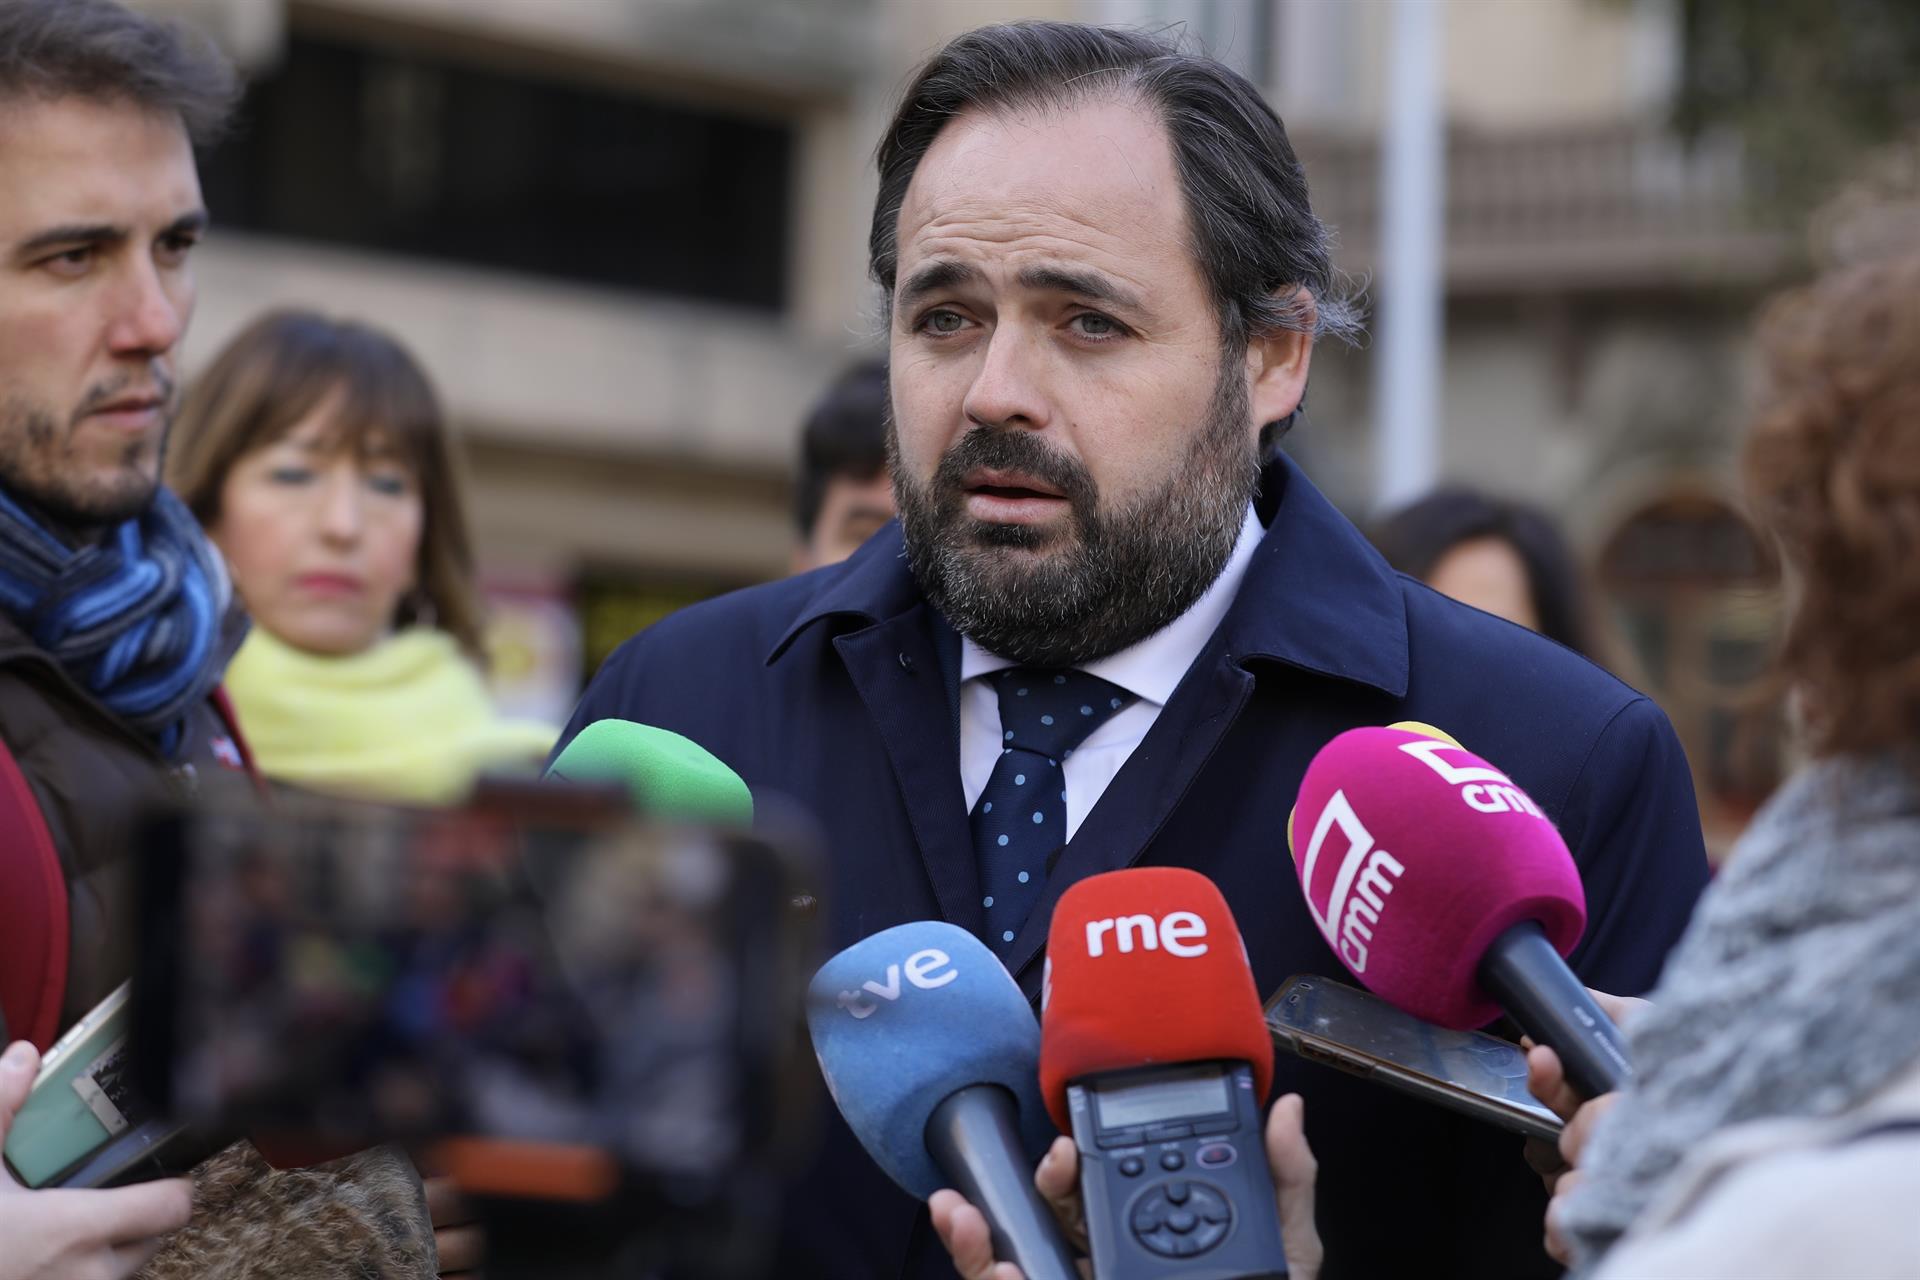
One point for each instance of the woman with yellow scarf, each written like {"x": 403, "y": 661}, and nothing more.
{"x": 315, "y": 454}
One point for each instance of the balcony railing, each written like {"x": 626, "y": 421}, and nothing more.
{"x": 1622, "y": 206}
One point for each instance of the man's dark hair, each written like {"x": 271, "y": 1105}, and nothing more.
{"x": 1253, "y": 233}
{"x": 1415, "y": 538}
{"x": 97, "y": 49}
{"x": 845, "y": 435}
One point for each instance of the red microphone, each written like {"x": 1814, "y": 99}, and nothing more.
{"x": 1446, "y": 890}
{"x": 1154, "y": 1054}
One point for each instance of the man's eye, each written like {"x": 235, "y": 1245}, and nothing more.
{"x": 176, "y": 248}
{"x": 70, "y": 261}
{"x": 943, "y": 322}
{"x": 1094, "y": 325}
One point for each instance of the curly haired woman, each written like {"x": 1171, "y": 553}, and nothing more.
{"x": 1774, "y": 1127}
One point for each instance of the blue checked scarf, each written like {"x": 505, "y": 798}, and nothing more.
{"x": 134, "y": 619}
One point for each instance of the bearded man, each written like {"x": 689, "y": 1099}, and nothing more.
{"x": 1112, "y": 625}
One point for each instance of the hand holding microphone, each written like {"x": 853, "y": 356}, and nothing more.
{"x": 930, "y": 1051}
{"x": 1446, "y": 890}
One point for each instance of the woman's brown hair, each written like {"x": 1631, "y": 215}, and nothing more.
{"x": 1833, "y": 466}
{"x": 279, "y": 370}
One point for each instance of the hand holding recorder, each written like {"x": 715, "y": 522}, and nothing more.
{"x": 963, "y": 1230}
{"x": 58, "y": 1235}
{"x": 1154, "y": 1054}
{"x": 1155, "y": 1057}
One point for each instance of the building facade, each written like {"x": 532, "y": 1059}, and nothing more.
{"x": 627, "y": 238}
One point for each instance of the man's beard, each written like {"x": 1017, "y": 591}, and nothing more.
{"x": 1117, "y": 577}
{"x": 37, "y": 471}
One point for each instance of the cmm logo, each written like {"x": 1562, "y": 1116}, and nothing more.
{"x": 1486, "y": 789}
{"x": 1347, "y": 885}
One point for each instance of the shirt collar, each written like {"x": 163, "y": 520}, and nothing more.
{"x": 1315, "y": 594}
{"x": 1152, "y": 668}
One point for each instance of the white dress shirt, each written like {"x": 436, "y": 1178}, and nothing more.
{"x": 1150, "y": 670}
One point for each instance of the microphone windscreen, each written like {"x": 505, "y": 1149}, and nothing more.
{"x": 1414, "y": 855}
{"x": 904, "y": 1019}
{"x": 669, "y": 776}
{"x": 1146, "y": 966}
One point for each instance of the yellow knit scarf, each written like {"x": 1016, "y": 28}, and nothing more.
{"x": 408, "y": 720}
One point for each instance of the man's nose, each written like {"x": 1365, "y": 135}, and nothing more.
{"x": 148, "y": 318}
{"x": 1009, "y": 389}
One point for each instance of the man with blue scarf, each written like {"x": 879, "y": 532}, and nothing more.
{"x": 112, "y": 602}
{"x": 115, "y": 623}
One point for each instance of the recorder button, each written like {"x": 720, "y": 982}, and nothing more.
{"x": 1172, "y": 1161}
{"x": 1163, "y": 1242}
{"x": 1181, "y": 1223}
{"x": 1133, "y": 1166}
{"x": 1178, "y": 1192}
{"x": 1214, "y": 1217}
{"x": 1217, "y": 1156}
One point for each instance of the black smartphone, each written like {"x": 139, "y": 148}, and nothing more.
{"x": 1355, "y": 1031}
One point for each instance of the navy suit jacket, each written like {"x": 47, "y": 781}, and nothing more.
{"x": 840, "y": 689}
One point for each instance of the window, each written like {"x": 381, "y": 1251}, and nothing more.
{"x": 402, "y": 152}
{"x": 1697, "y": 597}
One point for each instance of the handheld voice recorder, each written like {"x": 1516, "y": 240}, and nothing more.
{"x": 1174, "y": 1173}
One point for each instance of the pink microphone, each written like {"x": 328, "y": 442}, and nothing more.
{"x": 1447, "y": 891}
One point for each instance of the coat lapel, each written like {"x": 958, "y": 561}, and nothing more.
{"x": 901, "y": 672}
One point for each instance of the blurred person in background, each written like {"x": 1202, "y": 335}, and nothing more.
{"x": 1773, "y": 1128}
{"x": 113, "y": 621}
{"x": 315, "y": 453}
{"x": 844, "y": 493}
{"x": 1501, "y": 556}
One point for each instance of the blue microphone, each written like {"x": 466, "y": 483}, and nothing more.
{"x": 932, "y": 1054}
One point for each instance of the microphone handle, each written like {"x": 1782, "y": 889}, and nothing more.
{"x": 974, "y": 1138}
{"x": 1528, "y": 978}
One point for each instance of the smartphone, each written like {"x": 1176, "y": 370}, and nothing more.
{"x": 80, "y": 1100}
{"x": 1357, "y": 1032}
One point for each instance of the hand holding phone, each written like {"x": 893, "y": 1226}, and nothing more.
{"x": 47, "y": 1235}
{"x": 1357, "y": 1032}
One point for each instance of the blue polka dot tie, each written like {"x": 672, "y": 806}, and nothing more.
{"x": 1021, "y": 816}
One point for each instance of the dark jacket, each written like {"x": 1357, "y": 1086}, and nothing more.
{"x": 839, "y": 688}
{"x": 88, "y": 771}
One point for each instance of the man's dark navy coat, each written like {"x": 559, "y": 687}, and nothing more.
{"x": 839, "y": 689}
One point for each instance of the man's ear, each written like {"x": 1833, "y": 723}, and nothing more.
{"x": 1277, "y": 364}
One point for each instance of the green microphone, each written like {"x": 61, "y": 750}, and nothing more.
{"x": 668, "y": 776}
